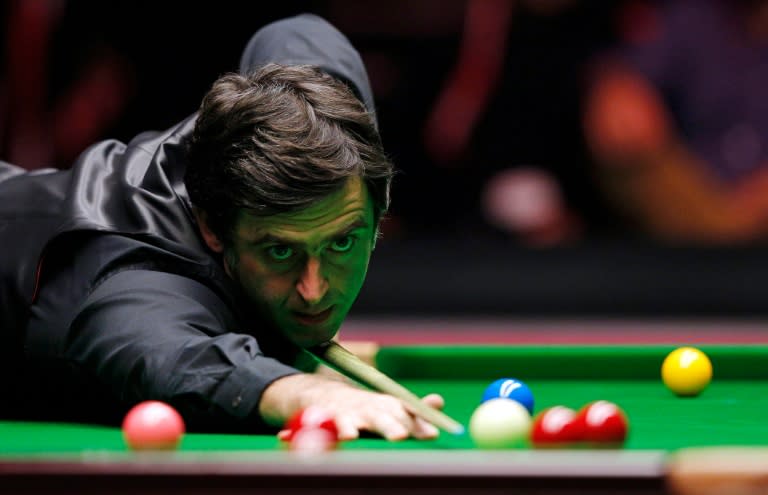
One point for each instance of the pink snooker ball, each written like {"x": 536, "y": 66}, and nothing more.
{"x": 153, "y": 425}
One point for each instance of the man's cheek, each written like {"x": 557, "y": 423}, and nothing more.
{"x": 275, "y": 289}
{"x": 358, "y": 274}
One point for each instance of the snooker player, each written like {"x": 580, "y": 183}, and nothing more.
{"x": 191, "y": 266}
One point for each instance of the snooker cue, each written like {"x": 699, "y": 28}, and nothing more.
{"x": 350, "y": 365}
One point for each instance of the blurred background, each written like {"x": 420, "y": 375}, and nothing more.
{"x": 556, "y": 157}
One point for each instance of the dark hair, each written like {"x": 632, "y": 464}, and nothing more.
{"x": 278, "y": 140}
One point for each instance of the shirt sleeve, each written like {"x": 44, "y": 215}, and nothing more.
{"x": 155, "y": 335}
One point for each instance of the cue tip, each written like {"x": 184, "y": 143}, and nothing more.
{"x": 458, "y": 431}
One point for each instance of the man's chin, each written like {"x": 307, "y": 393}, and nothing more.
{"x": 310, "y": 337}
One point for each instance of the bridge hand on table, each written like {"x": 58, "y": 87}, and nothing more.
{"x": 353, "y": 409}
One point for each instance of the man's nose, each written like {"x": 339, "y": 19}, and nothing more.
{"x": 312, "y": 286}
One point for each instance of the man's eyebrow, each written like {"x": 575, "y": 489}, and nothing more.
{"x": 359, "y": 223}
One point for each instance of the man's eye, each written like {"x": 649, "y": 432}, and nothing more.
{"x": 343, "y": 245}
{"x": 280, "y": 253}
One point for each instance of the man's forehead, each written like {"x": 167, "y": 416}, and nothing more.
{"x": 349, "y": 206}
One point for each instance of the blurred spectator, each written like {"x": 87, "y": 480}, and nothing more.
{"x": 49, "y": 115}
{"x": 72, "y": 73}
{"x": 677, "y": 120}
{"x": 469, "y": 86}
{"x": 503, "y": 132}
{"x": 526, "y": 202}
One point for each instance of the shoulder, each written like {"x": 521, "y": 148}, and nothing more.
{"x": 134, "y": 188}
{"x": 150, "y": 142}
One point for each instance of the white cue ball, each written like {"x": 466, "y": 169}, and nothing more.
{"x": 500, "y": 423}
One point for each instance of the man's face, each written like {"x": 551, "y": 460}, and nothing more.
{"x": 304, "y": 269}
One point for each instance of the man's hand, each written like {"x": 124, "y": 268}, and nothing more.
{"x": 354, "y": 409}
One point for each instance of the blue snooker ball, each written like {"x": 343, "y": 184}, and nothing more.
{"x": 509, "y": 388}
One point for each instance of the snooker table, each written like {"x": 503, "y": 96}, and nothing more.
{"x": 712, "y": 443}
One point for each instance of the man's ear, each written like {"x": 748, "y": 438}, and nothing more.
{"x": 211, "y": 239}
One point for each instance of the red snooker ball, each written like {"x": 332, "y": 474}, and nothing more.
{"x": 311, "y": 418}
{"x": 604, "y": 423}
{"x": 309, "y": 441}
{"x": 555, "y": 427}
{"x": 153, "y": 425}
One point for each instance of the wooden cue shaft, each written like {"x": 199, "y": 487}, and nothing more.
{"x": 347, "y": 363}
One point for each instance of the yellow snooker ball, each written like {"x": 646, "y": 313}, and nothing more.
{"x": 686, "y": 371}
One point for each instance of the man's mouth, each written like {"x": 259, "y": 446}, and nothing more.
{"x": 311, "y": 319}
